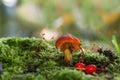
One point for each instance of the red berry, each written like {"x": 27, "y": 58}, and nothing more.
{"x": 80, "y": 66}
{"x": 90, "y": 69}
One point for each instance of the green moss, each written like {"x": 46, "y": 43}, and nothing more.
{"x": 91, "y": 58}
{"x": 68, "y": 75}
{"x": 19, "y": 55}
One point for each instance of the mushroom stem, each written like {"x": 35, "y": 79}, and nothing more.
{"x": 82, "y": 55}
{"x": 68, "y": 57}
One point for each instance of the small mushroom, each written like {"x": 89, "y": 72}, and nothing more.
{"x": 69, "y": 44}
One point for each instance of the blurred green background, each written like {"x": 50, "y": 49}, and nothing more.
{"x": 86, "y": 19}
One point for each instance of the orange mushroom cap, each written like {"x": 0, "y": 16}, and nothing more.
{"x": 68, "y": 42}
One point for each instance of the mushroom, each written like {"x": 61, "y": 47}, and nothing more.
{"x": 69, "y": 44}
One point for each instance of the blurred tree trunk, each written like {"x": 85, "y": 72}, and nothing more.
{"x": 2, "y": 18}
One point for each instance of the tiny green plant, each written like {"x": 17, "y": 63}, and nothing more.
{"x": 115, "y": 43}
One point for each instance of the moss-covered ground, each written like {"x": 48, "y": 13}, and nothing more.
{"x": 37, "y": 59}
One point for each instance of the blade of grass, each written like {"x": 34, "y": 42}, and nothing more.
{"x": 117, "y": 47}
